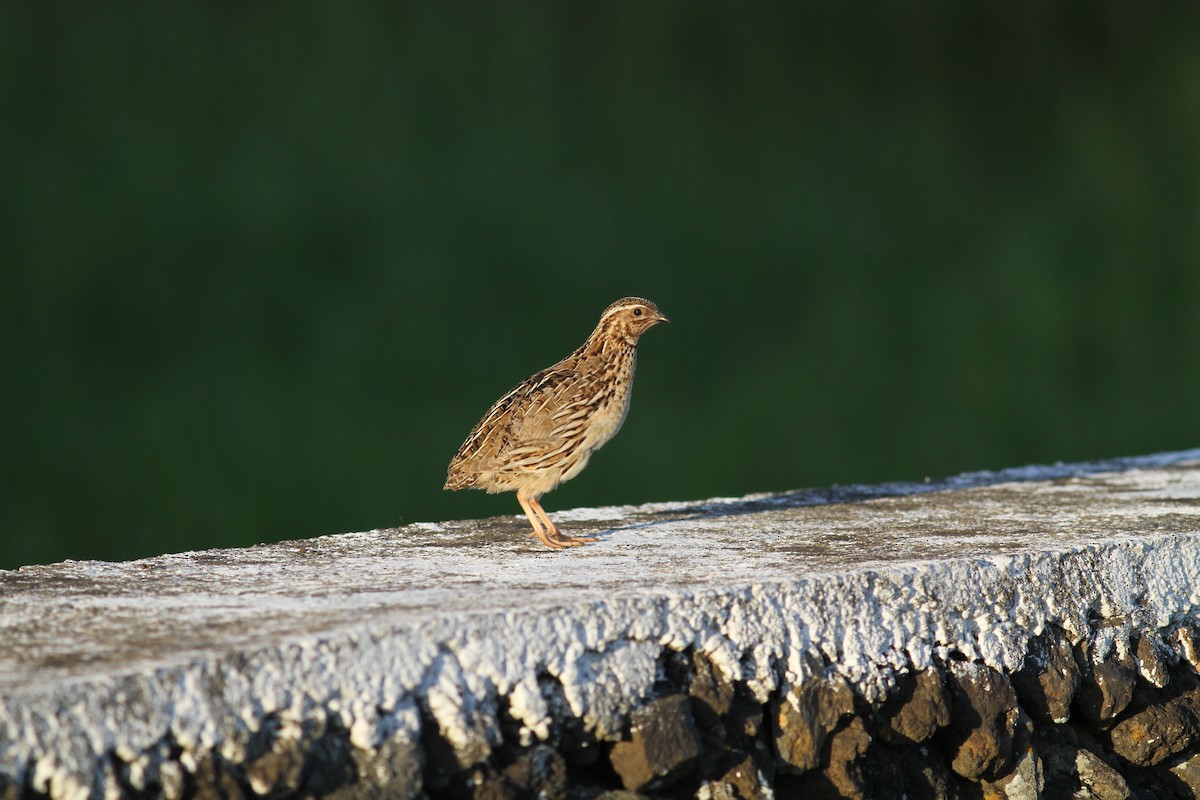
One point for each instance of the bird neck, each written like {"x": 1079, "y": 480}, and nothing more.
{"x": 608, "y": 342}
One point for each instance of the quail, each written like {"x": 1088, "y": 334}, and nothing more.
{"x": 544, "y": 430}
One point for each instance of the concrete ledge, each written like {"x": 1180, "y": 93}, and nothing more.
{"x": 407, "y": 659}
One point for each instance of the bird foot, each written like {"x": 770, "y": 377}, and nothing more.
{"x": 570, "y": 541}
{"x": 557, "y": 540}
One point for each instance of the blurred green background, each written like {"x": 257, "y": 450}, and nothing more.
{"x": 264, "y": 265}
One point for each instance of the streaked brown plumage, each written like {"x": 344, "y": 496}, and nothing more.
{"x": 544, "y": 431}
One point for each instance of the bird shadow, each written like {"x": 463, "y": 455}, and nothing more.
{"x": 861, "y": 493}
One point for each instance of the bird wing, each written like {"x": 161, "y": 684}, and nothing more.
{"x": 535, "y": 423}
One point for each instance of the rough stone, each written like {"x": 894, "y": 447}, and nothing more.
{"x": 279, "y": 765}
{"x": 717, "y": 790}
{"x": 391, "y": 771}
{"x": 847, "y": 747}
{"x": 709, "y": 687}
{"x": 1026, "y": 779}
{"x": 982, "y": 720}
{"x": 1074, "y": 767}
{"x": 214, "y": 780}
{"x": 1189, "y": 773}
{"x": 842, "y": 776}
{"x": 331, "y": 766}
{"x": 712, "y": 700}
{"x": 1058, "y": 751}
{"x": 1187, "y": 639}
{"x": 154, "y": 771}
{"x": 663, "y": 744}
{"x": 806, "y": 717}
{"x": 483, "y": 784}
{"x": 1151, "y": 661}
{"x": 1048, "y": 679}
{"x": 1157, "y": 733}
{"x": 441, "y": 760}
{"x": 746, "y": 779}
{"x": 1105, "y": 688}
{"x": 1097, "y": 777}
{"x": 915, "y": 711}
{"x": 540, "y": 772}
{"x": 745, "y": 719}
{"x": 171, "y": 780}
{"x": 572, "y": 738}
{"x": 908, "y": 772}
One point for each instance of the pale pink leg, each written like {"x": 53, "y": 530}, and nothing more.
{"x": 528, "y": 504}
{"x": 555, "y": 534}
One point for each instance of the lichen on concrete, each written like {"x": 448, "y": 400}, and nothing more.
{"x": 433, "y": 637}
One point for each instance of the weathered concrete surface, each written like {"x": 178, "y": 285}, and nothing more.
{"x": 127, "y": 674}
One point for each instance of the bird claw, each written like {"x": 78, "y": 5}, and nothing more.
{"x": 557, "y": 540}
{"x": 571, "y": 541}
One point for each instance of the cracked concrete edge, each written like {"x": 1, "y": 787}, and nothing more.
{"x": 866, "y": 627}
{"x": 386, "y": 682}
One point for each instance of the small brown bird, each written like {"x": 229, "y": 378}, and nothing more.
{"x": 544, "y": 431}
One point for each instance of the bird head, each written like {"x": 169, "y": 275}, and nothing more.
{"x": 629, "y": 318}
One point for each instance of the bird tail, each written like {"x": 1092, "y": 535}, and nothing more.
{"x": 459, "y": 480}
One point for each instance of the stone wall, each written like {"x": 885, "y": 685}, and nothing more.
{"x": 1070, "y": 722}
{"x": 1030, "y": 633}
{"x": 1111, "y": 717}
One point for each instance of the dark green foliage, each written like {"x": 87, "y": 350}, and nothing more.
{"x": 262, "y": 266}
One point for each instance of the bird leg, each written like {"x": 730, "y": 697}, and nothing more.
{"x": 555, "y": 534}
{"x": 539, "y": 530}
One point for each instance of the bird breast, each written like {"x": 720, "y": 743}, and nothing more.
{"x": 613, "y": 404}
{"x": 609, "y": 419}
{"x": 603, "y": 425}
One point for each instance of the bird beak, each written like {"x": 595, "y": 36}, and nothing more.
{"x": 661, "y": 317}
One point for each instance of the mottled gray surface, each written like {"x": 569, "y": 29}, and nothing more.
{"x": 364, "y": 626}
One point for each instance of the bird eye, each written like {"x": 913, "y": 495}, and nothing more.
{"x": 637, "y": 312}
